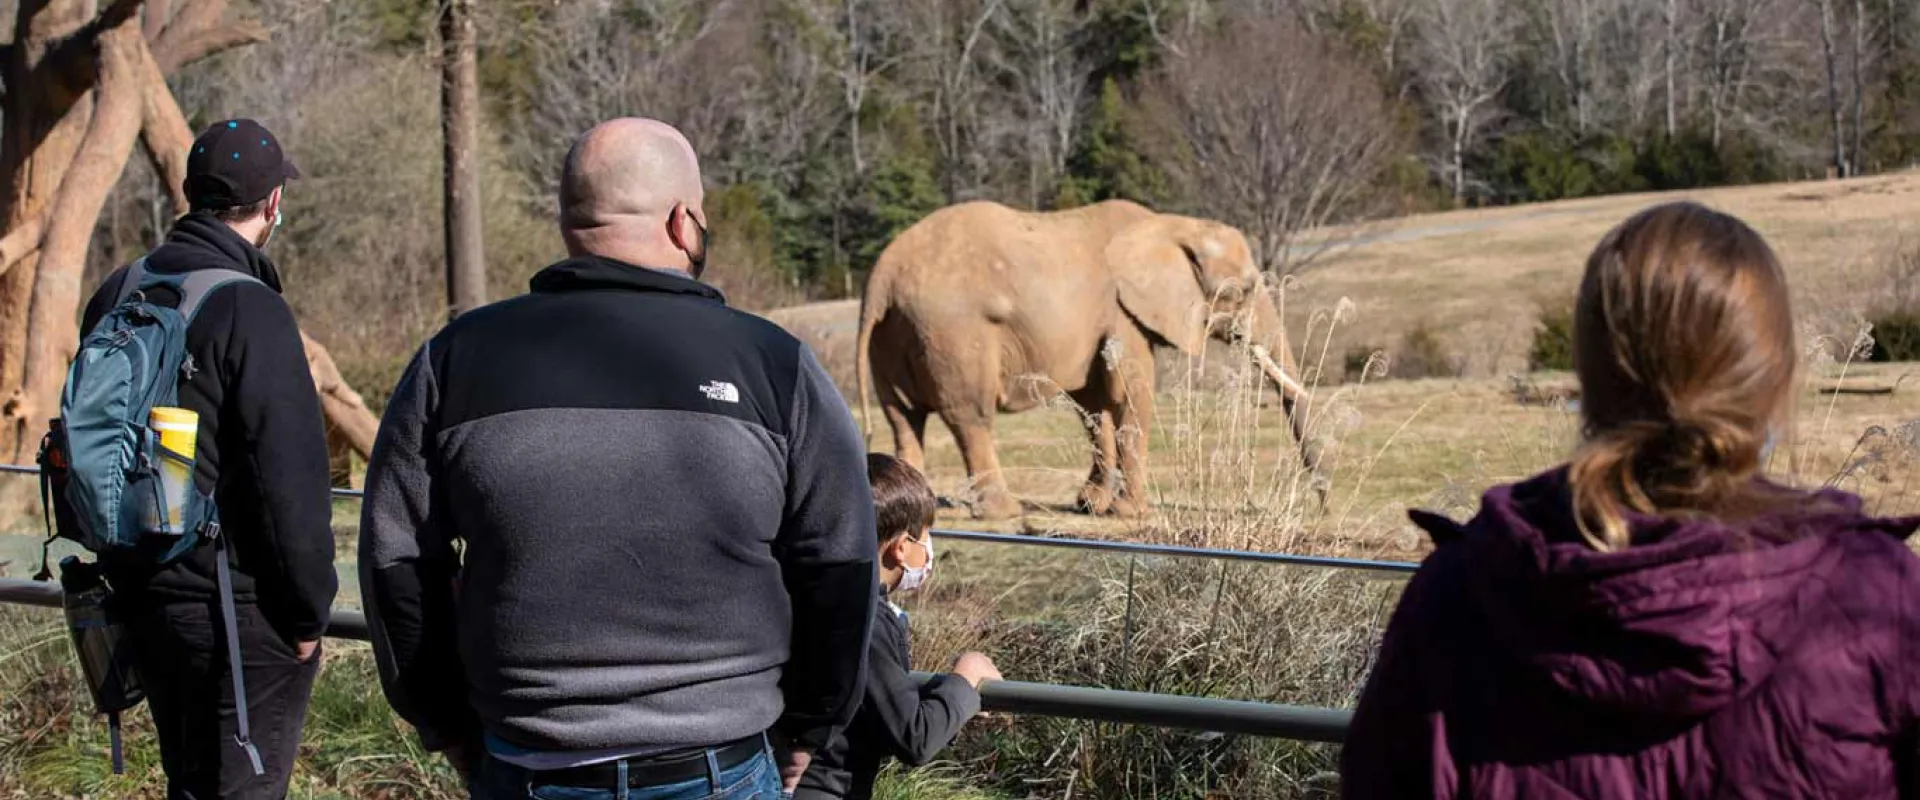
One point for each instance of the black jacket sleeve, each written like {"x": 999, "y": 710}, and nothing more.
{"x": 826, "y": 549}
{"x": 274, "y": 402}
{"x": 918, "y": 721}
{"x": 408, "y": 565}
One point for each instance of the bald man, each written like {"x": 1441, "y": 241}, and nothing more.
{"x": 663, "y": 508}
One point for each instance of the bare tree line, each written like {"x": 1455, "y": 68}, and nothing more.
{"x": 828, "y": 125}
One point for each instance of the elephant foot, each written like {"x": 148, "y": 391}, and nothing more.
{"x": 1127, "y": 508}
{"x": 996, "y": 505}
{"x": 1093, "y": 499}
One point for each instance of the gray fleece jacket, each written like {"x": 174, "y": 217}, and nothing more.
{"x": 655, "y": 511}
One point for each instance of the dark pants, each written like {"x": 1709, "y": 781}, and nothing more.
{"x": 181, "y": 649}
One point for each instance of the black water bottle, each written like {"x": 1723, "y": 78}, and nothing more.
{"x": 106, "y": 655}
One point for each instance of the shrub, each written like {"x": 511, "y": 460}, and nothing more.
{"x": 1354, "y": 363}
{"x": 1422, "y": 354}
{"x": 1896, "y": 335}
{"x": 1895, "y": 317}
{"x": 1552, "y": 340}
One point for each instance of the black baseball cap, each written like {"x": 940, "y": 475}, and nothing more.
{"x": 235, "y": 162}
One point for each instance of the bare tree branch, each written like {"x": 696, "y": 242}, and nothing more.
{"x": 71, "y": 62}
{"x": 188, "y": 48}
{"x": 164, "y": 134}
{"x": 343, "y": 407}
{"x": 1465, "y": 46}
{"x": 158, "y": 14}
{"x": 1037, "y": 56}
{"x": 195, "y": 17}
{"x": 19, "y": 243}
{"x": 1270, "y": 129}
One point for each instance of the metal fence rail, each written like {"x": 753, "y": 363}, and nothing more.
{"x": 1068, "y": 543}
{"x": 1303, "y": 723}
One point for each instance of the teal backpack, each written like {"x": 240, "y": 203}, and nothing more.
{"x": 100, "y": 462}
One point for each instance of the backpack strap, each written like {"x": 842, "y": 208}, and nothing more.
{"x": 136, "y": 272}
{"x": 245, "y": 737}
{"x": 193, "y": 287}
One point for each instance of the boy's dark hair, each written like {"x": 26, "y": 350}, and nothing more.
{"x": 902, "y": 500}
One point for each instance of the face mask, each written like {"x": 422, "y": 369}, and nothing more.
{"x": 269, "y": 237}
{"x": 697, "y": 264}
{"x": 917, "y": 576}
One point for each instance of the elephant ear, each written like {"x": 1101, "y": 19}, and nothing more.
{"x": 1159, "y": 283}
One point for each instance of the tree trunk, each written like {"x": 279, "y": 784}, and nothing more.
{"x": 1859, "y": 81}
{"x": 1673, "y": 44}
{"x": 1833, "y": 88}
{"x": 459, "y": 122}
{"x": 45, "y": 117}
{"x": 855, "y": 84}
{"x": 96, "y": 167}
{"x": 1459, "y": 159}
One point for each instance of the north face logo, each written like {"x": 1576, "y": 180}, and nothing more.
{"x": 721, "y": 391}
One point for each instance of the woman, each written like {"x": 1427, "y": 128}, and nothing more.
{"x": 1654, "y": 619}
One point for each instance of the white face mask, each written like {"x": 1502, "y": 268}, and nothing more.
{"x": 269, "y": 237}
{"x": 915, "y": 577}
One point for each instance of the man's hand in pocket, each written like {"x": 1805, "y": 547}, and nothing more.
{"x": 306, "y": 650}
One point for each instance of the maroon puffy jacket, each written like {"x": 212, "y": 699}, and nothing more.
{"x": 1774, "y": 657}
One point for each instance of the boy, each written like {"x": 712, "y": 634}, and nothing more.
{"x": 899, "y": 717}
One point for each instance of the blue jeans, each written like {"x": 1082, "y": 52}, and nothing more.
{"x": 757, "y": 778}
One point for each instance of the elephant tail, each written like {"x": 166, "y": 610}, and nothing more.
{"x": 862, "y": 362}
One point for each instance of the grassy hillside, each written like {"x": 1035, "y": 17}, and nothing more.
{"x": 1479, "y": 278}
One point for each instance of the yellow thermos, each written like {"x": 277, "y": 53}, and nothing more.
{"x": 178, "y": 429}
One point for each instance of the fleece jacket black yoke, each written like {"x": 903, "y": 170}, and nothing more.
{"x": 262, "y": 445}
{"x": 668, "y": 534}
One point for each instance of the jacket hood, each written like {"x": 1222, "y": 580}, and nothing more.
{"x": 1672, "y": 628}
{"x": 200, "y": 240}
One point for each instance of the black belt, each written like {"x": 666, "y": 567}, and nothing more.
{"x": 642, "y": 773}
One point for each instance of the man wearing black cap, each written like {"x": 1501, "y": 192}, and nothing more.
{"x": 262, "y": 452}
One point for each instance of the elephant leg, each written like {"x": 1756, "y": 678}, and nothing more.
{"x": 974, "y": 432}
{"x": 1133, "y": 425}
{"x": 1096, "y": 497}
{"x": 909, "y": 434}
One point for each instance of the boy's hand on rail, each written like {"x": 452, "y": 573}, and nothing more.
{"x": 976, "y": 668}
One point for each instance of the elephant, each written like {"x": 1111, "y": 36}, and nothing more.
{"x": 980, "y": 309}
